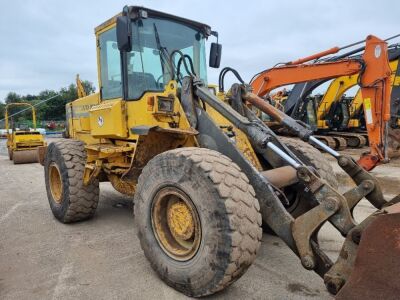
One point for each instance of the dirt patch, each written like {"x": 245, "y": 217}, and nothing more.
{"x": 298, "y": 288}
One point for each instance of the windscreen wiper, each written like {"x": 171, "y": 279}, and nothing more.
{"x": 164, "y": 55}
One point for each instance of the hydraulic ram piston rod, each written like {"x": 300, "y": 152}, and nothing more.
{"x": 324, "y": 147}
{"x": 283, "y": 155}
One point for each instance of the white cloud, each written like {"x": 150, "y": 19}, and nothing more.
{"x": 45, "y": 43}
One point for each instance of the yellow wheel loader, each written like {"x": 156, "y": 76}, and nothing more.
{"x": 203, "y": 170}
{"x": 23, "y": 144}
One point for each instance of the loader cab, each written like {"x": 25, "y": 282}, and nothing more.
{"x": 138, "y": 52}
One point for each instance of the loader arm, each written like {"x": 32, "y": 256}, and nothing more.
{"x": 331, "y": 206}
{"x": 159, "y": 133}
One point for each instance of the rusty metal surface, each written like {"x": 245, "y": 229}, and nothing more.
{"x": 358, "y": 174}
{"x": 300, "y": 233}
{"x": 394, "y": 206}
{"x": 281, "y": 177}
{"x": 394, "y": 142}
{"x": 376, "y": 268}
{"x": 341, "y": 143}
{"x": 41, "y": 152}
{"x": 354, "y": 195}
{"x": 337, "y": 276}
{"x": 265, "y": 107}
{"x": 152, "y": 144}
{"x": 304, "y": 227}
{"x": 124, "y": 186}
{"x": 25, "y": 156}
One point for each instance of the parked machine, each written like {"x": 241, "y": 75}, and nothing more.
{"x": 203, "y": 169}
{"x": 375, "y": 82}
{"x": 23, "y": 144}
{"x": 338, "y": 120}
{"x": 336, "y": 111}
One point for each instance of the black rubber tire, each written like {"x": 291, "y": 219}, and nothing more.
{"x": 79, "y": 202}
{"x": 228, "y": 211}
{"x": 312, "y": 157}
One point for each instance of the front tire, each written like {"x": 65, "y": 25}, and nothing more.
{"x": 198, "y": 220}
{"x": 314, "y": 158}
{"x": 70, "y": 200}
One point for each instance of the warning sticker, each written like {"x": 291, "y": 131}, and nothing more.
{"x": 368, "y": 111}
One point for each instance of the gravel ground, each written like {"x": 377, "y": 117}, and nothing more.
{"x": 41, "y": 258}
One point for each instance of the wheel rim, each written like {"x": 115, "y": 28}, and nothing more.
{"x": 176, "y": 223}
{"x": 56, "y": 187}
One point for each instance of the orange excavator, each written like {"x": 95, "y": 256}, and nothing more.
{"x": 374, "y": 81}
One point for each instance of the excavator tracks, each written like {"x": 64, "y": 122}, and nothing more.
{"x": 327, "y": 140}
{"x": 334, "y": 142}
{"x": 340, "y": 143}
{"x": 343, "y": 140}
{"x": 353, "y": 140}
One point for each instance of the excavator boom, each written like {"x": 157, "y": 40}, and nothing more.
{"x": 273, "y": 78}
{"x": 375, "y": 89}
{"x": 375, "y": 85}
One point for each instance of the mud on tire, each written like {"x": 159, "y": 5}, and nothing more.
{"x": 228, "y": 213}
{"x": 73, "y": 201}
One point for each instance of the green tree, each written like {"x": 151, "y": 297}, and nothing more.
{"x": 52, "y": 110}
{"x": 12, "y": 98}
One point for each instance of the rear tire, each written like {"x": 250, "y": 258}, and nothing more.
{"x": 70, "y": 200}
{"x": 225, "y": 214}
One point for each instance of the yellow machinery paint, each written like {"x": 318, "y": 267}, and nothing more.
{"x": 96, "y": 121}
{"x": 191, "y": 203}
{"x": 22, "y": 145}
{"x": 336, "y": 90}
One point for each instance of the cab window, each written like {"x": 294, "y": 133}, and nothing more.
{"x": 110, "y": 65}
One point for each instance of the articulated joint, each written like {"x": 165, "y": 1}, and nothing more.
{"x": 91, "y": 172}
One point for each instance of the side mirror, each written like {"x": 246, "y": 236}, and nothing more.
{"x": 124, "y": 34}
{"x": 215, "y": 55}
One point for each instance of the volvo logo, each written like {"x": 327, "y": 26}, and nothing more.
{"x": 100, "y": 121}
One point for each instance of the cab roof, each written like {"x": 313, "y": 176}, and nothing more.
{"x": 134, "y": 12}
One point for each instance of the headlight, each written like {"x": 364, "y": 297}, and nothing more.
{"x": 165, "y": 104}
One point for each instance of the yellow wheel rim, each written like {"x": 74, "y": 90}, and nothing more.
{"x": 56, "y": 187}
{"x": 176, "y": 223}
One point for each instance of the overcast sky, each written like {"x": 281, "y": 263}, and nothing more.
{"x": 46, "y": 43}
